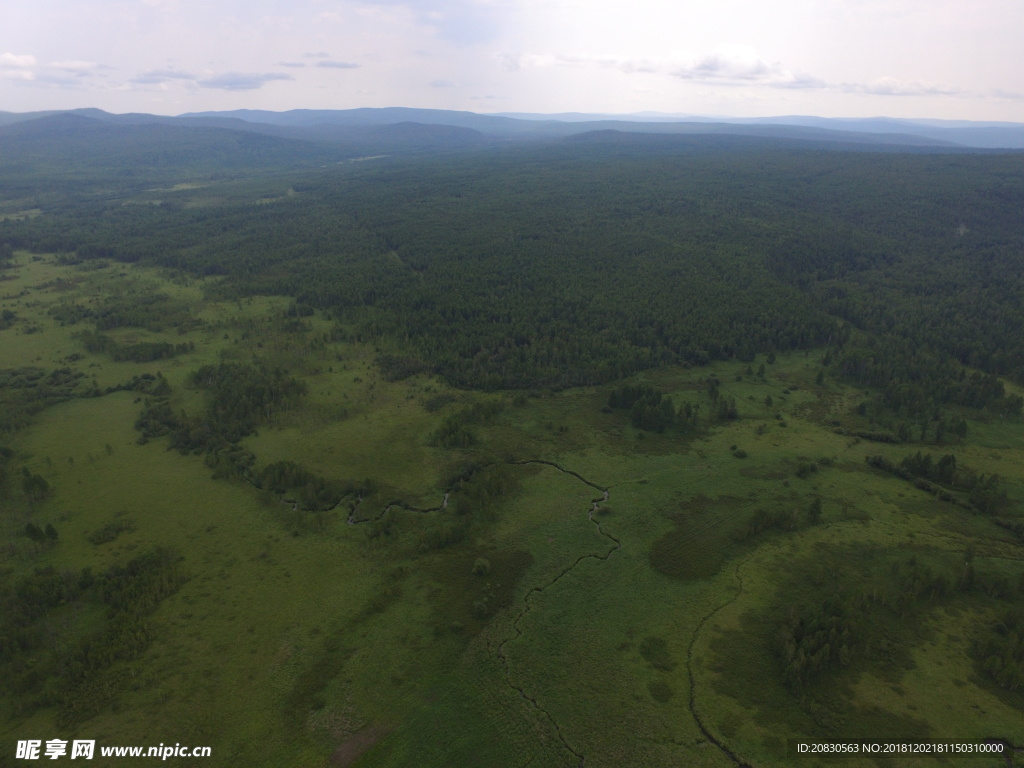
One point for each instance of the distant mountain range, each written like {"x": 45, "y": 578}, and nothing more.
{"x": 968, "y": 133}
{"x": 402, "y": 130}
{"x": 57, "y": 153}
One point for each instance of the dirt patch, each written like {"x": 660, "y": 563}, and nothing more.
{"x": 347, "y": 753}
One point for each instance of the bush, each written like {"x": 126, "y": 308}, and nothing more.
{"x": 806, "y": 469}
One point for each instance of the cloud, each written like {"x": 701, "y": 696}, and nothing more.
{"x": 734, "y": 65}
{"x": 442, "y": 84}
{"x": 75, "y": 66}
{"x": 889, "y": 86}
{"x": 737, "y": 64}
{"x": 16, "y": 67}
{"x": 293, "y": 64}
{"x": 156, "y": 76}
{"x": 726, "y": 65}
{"x": 15, "y": 61}
{"x": 243, "y": 81}
{"x": 338, "y": 64}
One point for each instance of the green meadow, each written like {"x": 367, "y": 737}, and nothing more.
{"x": 376, "y": 568}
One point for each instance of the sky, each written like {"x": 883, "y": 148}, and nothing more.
{"x": 950, "y": 59}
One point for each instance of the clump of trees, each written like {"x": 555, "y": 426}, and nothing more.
{"x": 1000, "y": 651}
{"x": 456, "y": 431}
{"x": 724, "y": 408}
{"x": 110, "y": 531}
{"x": 477, "y": 494}
{"x": 45, "y": 663}
{"x": 34, "y": 485}
{"x": 780, "y": 519}
{"x": 916, "y": 382}
{"x": 141, "y": 352}
{"x": 812, "y": 642}
{"x": 37, "y": 535}
{"x": 985, "y": 493}
{"x": 240, "y": 397}
{"x": 474, "y": 493}
{"x": 24, "y": 392}
{"x": 151, "y": 310}
{"x": 805, "y": 469}
{"x": 398, "y": 367}
{"x": 854, "y": 623}
{"x": 312, "y": 492}
{"x": 130, "y": 593}
{"x": 942, "y": 471}
{"x": 650, "y": 409}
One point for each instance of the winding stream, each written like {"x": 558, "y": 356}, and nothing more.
{"x": 527, "y": 604}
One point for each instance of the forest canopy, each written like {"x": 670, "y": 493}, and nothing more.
{"x": 579, "y": 262}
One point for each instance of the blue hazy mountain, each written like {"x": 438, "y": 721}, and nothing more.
{"x": 343, "y": 126}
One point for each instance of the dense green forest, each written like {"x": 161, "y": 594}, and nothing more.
{"x": 612, "y": 450}
{"x": 585, "y": 261}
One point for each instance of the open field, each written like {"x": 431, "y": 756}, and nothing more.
{"x": 479, "y": 579}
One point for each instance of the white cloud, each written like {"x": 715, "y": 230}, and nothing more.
{"x": 16, "y": 67}
{"x": 734, "y": 65}
{"x": 738, "y": 64}
{"x": 940, "y": 58}
{"x": 157, "y": 76}
{"x": 74, "y": 66}
{"x": 889, "y": 86}
{"x": 726, "y": 65}
{"x": 338, "y": 64}
{"x": 15, "y": 61}
{"x": 243, "y": 81}
{"x": 17, "y": 74}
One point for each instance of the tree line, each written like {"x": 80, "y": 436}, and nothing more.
{"x": 51, "y": 656}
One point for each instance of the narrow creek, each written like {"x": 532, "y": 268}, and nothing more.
{"x": 527, "y": 604}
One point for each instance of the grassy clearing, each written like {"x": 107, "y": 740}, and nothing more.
{"x": 379, "y": 642}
